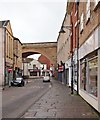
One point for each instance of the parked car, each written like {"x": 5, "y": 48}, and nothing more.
{"x": 46, "y": 79}
{"x": 46, "y": 75}
{"x": 18, "y": 82}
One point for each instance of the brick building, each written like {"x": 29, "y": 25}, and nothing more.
{"x": 72, "y": 10}
{"x": 17, "y": 58}
{"x": 89, "y": 52}
{"x": 44, "y": 60}
{"x": 84, "y": 49}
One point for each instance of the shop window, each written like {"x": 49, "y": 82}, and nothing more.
{"x": 75, "y": 73}
{"x": 83, "y": 74}
{"x": 93, "y": 73}
{"x": 34, "y": 73}
{"x": 89, "y": 74}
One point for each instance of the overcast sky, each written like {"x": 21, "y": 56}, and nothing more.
{"x": 34, "y": 20}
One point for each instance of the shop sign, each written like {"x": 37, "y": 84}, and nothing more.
{"x": 91, "y": 44}
{"x": 31, "y": 70}
{"x": 60, "y": 69}
{"x": 9, "y": 70}
{"x": 93, "y": 63}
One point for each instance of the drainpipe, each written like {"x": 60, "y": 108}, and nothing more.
{"x": 72, "y": 58}
{"x": 77, "y": 6}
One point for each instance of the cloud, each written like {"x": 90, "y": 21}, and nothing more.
{"x": 34, "y": 20}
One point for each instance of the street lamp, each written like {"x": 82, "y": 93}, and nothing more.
{"x": 23, "y": 66}
{"x": 69, "y": 27}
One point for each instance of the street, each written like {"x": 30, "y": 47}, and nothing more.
{"x": 44, "y": 100}
{"x": 58, "y": 102}
{"x": 16, "y": 100}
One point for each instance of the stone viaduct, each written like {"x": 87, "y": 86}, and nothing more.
{"x": 48, "y": 49}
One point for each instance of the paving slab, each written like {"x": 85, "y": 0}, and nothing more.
{"x": 58, "y": 102}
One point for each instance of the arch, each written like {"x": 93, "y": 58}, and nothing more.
{"x": 48, "y": 49}
{"x": 26, "y": 54}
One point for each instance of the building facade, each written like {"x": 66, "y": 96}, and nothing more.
{"x": 72, "y": 10}
{"x": 17, "y": 58}
{"x": 11, "y": 54}
{"x": 31, "y": 68}
{"x": 7, "y": 39}
{"x": 89, "y": 52}
{"x": 63, "y": 52}
{"x": 83, "y": 61}
{"x": 44, "y": 60}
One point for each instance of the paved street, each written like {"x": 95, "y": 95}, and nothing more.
{"x": 16, "y": 100}
{"x": 59, "y": 103}
{"x": 44, "y": 100}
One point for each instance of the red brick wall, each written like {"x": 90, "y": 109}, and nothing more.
{"x": 73, "y": 19}
{"x": 44, "y": 60}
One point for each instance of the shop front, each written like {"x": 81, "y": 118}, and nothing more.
{"x": 68, "y": 72}
{"x": 8, "y": 75}
{"x": 89, "y": 66}
{"x": 75, "y": 69}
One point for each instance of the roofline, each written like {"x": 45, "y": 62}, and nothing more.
{"x": 39, "y": 43}
{"x": 62, "y": 24}
{"x": 18, "y": 40}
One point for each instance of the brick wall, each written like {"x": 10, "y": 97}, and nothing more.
{"x": 93, "y": 22}
{"x": 45, "y": 60}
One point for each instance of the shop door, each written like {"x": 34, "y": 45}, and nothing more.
{"x": 67, "y": 76}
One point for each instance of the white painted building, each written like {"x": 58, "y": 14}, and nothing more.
{"x": 33, "y": 68}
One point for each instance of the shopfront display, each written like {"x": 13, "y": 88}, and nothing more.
{"x": 89, "y": 74}
{"x": 93, "y": 73}
{"x": 83, "y": 74}
{"x": 89, "y": 67}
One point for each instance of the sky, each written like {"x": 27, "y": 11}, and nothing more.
{"x": 34, "y": 20}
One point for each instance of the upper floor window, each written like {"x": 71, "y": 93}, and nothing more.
{"x": 96, "y": 3}
{"x": 81, "y": 23}
{"x": 87, "y": 10}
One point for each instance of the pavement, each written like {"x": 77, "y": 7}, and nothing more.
{"x": 58, "y": 102}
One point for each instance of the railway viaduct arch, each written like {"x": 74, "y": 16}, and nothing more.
{"x": 48, "y": 49}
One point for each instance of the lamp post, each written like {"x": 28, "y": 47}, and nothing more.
{"x": 70, "y": 27}
{"x": 77, "y": 7}
{"x": 23, "y": 66}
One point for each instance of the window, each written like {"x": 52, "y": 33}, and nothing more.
{"x": 89, "y": 74}
{"x": 83, "y": 74}
{"x": 93, "y": 71}
{"x": 96, "y": 4}
{"x": 87, "y": 10}
{"x": 81, "y": 23}
{"x": 75, "y": 73}
{"x": 7, "y": 44}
